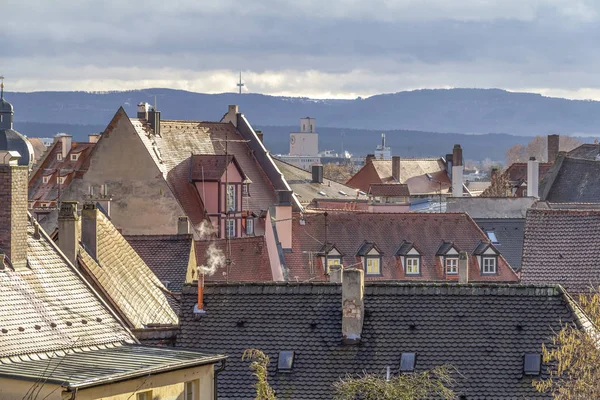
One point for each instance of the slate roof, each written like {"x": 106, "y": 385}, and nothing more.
{"x": 572, "y": 180}
{"x": 109, "y": 365}
{"x": 413, "y": 172}
{"x": 510, "y": 233}
{"x": 306, "y": 191}
{"x": 587, "y": 151}
{"x": 389, "y": 190}
{"x": 482, "y": 330}
{"x": 168, "y": 256}
{"x": 349, "y": 230}
{"x": 249, "y": 259}
{"x": 121, "y": 274}
{"x": 562, "y": 246}
{"x": 44, "y": 308}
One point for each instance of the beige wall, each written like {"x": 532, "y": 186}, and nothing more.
{"x": 15, "y": 390}
{"x": 142, "y": 201}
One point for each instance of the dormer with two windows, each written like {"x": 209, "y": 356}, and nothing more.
{"x": 410, "y": 259}
{"x": 329, "y": 255}
{"x": 371, "y": 258}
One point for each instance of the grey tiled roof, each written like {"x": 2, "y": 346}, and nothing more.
{"x": 482, "y": 330}
{"x": 562, "y": 246}
{"x": 572, "y": 180}
{"x": 509, "y": 232}
{"x": 587, "y": 151}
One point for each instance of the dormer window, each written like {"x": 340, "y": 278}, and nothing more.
{"x": 74, "y": 157}
{"x": 451, "y": 265}
{"x": 46, "y": 179}
{"x": 413, "y": 265}
{"x": 448, "y": 254}
{"x": 330, "y": 255}
{"x": 410, "y": 258}
{"x": 489, "y": 265}
{"x": 61, "y": 180}
{"x": 371, "y": 258}
{"x": 487, "y": 256}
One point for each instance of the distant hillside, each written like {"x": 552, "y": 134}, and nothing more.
{"x": 440, "y": 110}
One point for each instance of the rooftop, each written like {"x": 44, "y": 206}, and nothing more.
{"x": 389, "y": 190}
{"x": 572, "y": 180}
{"x": 509, "y": 233}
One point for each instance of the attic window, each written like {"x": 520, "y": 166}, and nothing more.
{"x": 488, "y": 265}
{"x": 451, "y": 264}
{"x": 532, "y": 364}
{"x": 59, "y": 156}
{"x": 333, "y": 260}
{"x": 373, "y": 265}
{"x": 285, "y": 361}
{"x": 74, "y": 157}
{"x": 492, "y": 236}
{"x": 412, "y": 265}
{"x": 407, "y": 362}
{"x": 245, "y": 189}
{"x": 61, "y": 180}
{"x": 45, "y": 179}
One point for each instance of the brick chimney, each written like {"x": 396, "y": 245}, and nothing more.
{"x": 369, "y": 158}
{"x": 533, "y": 178}
{"x": 68, "y": 227}
{"x": 457, "y": 171}
{"x": 396, "y": 168}
{"x": 463, "y": 267}
{"x": 353, "y": 309}
{"x": 317, "y": 174}
{"x": 260, "y": 135}
{"x": 89, "y": 229}
{"x": 183, "y": 226}
{"x": 13, "y": 209}
{"x": 553, "y": 147}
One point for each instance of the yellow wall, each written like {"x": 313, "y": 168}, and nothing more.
{"x": 167, "y": 386}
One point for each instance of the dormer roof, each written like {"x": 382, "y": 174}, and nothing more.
{"x": 328, "y": 248}
{"x": 482, "y": 247}
{"x": 445, "y": 247}
{"x": 366, "y": 248}
{"x": 211, "y": 167}
{"x": 405, "y": 247}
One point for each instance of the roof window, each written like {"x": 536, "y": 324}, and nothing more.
{"x": 407, "y": 362}
{"x": 285, "y": 361}
{"x": 492, "y": 236}
{"x": 74, "y": 157}
{"x": 532, "y": 364}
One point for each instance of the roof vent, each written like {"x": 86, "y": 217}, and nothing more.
{"x": 407, "y": 362}
{"x": 285, "y": 362}
{"x": 342, "y": 193}
{"x": 532, "y": 364}
{"x": 322, "y": 193}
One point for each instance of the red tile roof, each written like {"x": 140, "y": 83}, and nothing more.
{"x": 348, "y": 231}
{"x": 249, "y": 259}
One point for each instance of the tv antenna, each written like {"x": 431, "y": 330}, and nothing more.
{"x": 240, "y": 84}
{"x": 1, "y": 87}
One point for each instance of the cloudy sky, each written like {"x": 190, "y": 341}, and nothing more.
{"x": 315, "y": 48}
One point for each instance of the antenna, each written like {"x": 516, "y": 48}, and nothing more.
{"x": 1, "y": 87}
{"x": 240, "y": 84}
{"x": 155, "y": 109}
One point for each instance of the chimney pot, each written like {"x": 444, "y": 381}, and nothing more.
{"x": 199, "y": 307}
{"x": 457, "y": 171}
{"x": 89, "y": 229}
{"x": 396, "y": 168}
{"x": 68, "y": 226}
{"x": 463, "y": 267}
{"x": 317, "y": 174}
{"x": 533, "y": 177}
{"x": 353, "y": 309}
{"x": 143, "y": 109}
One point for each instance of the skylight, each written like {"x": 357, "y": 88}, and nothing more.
{"x": 407, "y": 362}
{"x": 285, "y": 361}
{"x": 492, "y": 236}
{"x": 532, "y": 363}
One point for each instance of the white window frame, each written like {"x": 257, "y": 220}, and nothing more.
{"x": 230, "y": 227}
{"x": 59, "y": 156}
{"x": 46, "y": 179}
{"x": 489, "y": 265}
{"x": 377, "y": 262}
{"x": 61, "y": 180}
{"x": 145, "y": 395}
{"x": 194, "y": 385}
{"x": 333, "y": 260}
{"x": 451, "y": 265}
{"x": 230, "y": 198}
{"x": 413, "y": 265}
{"x": 74, "y": 157}
{"x": 249, "y": 226}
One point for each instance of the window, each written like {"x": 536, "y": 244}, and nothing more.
{"x": 74, "y": 157}
{"x": 60, "y": 180}
{"x": 451, "y": 266}
{"x": 147, "y": 395}
{"x": 249, "y": 226}
{"x": 373, "y": 265}
{"x": 333, "y": 261}
{"x": 492, "y": 236}
{"x": 230, "y": 227}
{"x": 231, "y": 200}
{"x": 489, "y": 265}
{"x": 46, "y": 179}
{"x": 285, "y": 361}
{"x": 412, "y": 266}
{"x": 407, "y": 362}
{"x": 245, "y": 189}
{"x": 532, "y": 364}
{"x": 191, "y": 390}
{"x": 59, "y": 156}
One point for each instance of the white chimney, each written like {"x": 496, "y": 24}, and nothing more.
{"x": 463, "y": 267}
{"x": 533, "y": 177}
{"x": 457, "y": 171}
{"x": 66, "y": 142}
{"x": 353, "y": 308}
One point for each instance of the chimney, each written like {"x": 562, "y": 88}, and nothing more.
{"x": 335, "y": 274}
{"x": 68, "y": 225}
{"x": 104, "y": 200}
{"x": 143, "y": 109}
{"x": 66, "y": 141}
{"x": 199, "y": 307}
{"x": 260, "y": 135}
{"x": 283, "y": 218}
{"x": 231, "y": 116}
{"x": 553, "y": 147}
{"x": 533, "y": 177}
{"x": 13, "y": 208}
{"x": 154, "y": 120}
{"x": 317, "y": 174}
{"x": 494, "y": 174}
{"x": 369, "y": 158}
{"x": 396, "y": 168}
{"x": 89, "y": 229}
{"x": 457, "y": 171}
{"x": 463, "y": 267}
{"x": 353, "y": 308}
{"x": 183, "y": 226}
{"x": 93, "y": 137}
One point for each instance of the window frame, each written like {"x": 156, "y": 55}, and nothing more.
{"x": 329, "y": 260}
{"x": 46, "y": 179}
{"x": 74, "y": 156}
{"x": 60, "y": 180}
{"x": 450, "y": 258}
{"x": 249, "y": 224}
{"x": 195, "y": 386}
{"x": 233, "y": 207}
{"x": 483, "y": 265}
{"x": 59, "y": 156}
{"x": 366, "y": 265}
{"x": 412, "y": 258}
{"x": 245, "y": 190}
{"x": 145, "y": 395}
{"x": 233, "y": 227}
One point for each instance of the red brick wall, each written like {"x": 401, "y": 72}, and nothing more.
{"x": 13, "y": 213}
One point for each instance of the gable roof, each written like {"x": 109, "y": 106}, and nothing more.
{"x": 572, "y": 180}
{"x": 50, "y": 307}
{"x": 517, "y": 172}
{"x": 562, "y": 246}
{"x": 168, "y": 256}
{"x": 482, "y": 330}
{"x": 209, "y": 167}
{"x": 510, "y": 233}
{"x": 126, "y": 280}
{"x": 586, "y": 151}
{"x": 349, "y": 230}
{"x": 389, "y": 189}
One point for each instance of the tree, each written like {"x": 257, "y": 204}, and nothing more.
{"x": 260, "y": 363}
{"x": 516, "y": 153}
{"x": 538, "y": 148}
{"x": 436, "y": 383}
{"x": 338, "y": 173}
{"x": 574, "y": 357}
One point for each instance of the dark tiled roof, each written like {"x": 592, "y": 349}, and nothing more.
{"x": 509, "y": 232}
{"x": 249, "y": 259}
{"x": 76, "y": 371}
{"x": 389, "y": 189}
{"x": 349, "y": 230}
{"x": 572, "y": 180}
{"x": 517, "y": 172}
{"x": 404, "y": 248}
{"x": 483, "y": 331}
{"x": 562, "y": 246}
{"x": 444, "y": 247}
{"x": 587, "y": 151}
{"x": 210, "y": 167}
{"x": 168, "y": 256}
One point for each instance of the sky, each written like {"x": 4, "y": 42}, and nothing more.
{"x": 312, "y": 48}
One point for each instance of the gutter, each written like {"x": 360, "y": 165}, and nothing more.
{"x": 215, "y": 376}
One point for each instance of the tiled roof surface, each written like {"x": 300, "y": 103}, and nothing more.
{"x": 179, "y": 139}
{"x": 126, "y": 279}
{"x": 572, "y": 181}
{"x": 389, "y": 189}
{"x": 301, "y": 183}
{"x": 509, "y": 232}
{"x": 348, "y": 230}
{"x": 249, "y": 259}
{"x": 562, "y": 246}
{"x": 586, "y": 151}
{"x": 413, "y": 172}
{"x": 483, "y": 331}
{"x": 209, "y": 167}
{"x": 44, "y": 308}
{"x": 517, "y": 172}
{"x": 167, "y": 256}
